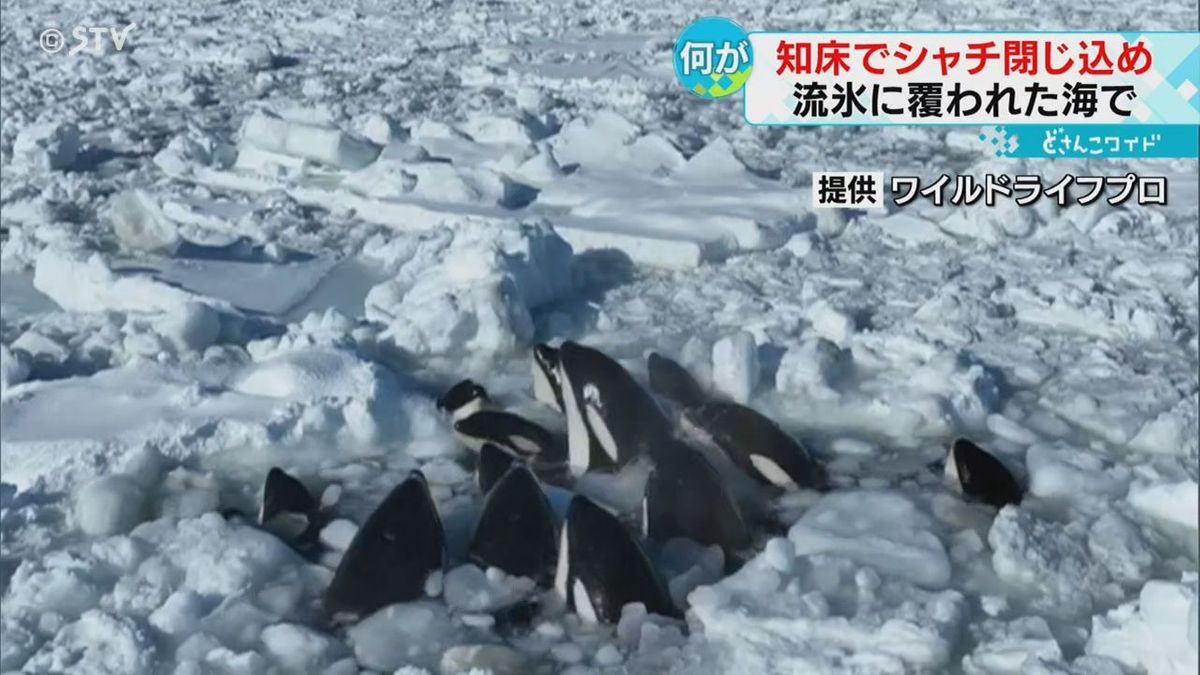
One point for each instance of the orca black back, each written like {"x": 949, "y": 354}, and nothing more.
{"x": 494, "y": 461}
{"x": 758, "y": 446}
{"x": 512, "y": 432}
{"x": 671, "y": 380}
{"x": 685, "y": 497}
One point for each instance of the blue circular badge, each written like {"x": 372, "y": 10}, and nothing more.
{"x": 713, "y": 58}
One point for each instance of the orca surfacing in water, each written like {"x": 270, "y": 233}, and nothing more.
{"x": 601, "y": 567}
{"x": 516, "y": 530}
{"x": 758, "y": 446}
{"x": 978, "y": 475}
{"x": 391, "y": 555}
{"x": 494, "y": 461}
{"x": 685, "y": 497}
{"x": 611, "y": 419}
{"x": 510, "y": 431}
{"x": 547, "y": 382}
{"x": 672, "y": 381}
{"x": 751, "y": 440}
{"x": 464, "y": 399}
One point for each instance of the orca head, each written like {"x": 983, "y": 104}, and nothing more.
{"x": 464, "y": 399}
{"x": 611, "y": 418}
{"x": 547, "y": 385}
{"x": 579, "y": 436}
{"x": 686, "y": 497}
{"x": 769, "y": 470}
{"x": 509, "y": 431}
{"x": 759, "y": 446}
{"x": 605, "y": 567}
{"x": 964, "y": 460}
{"x": 476, "y": 430}
{"x": 598, "y": 421}
{"x": 392, "y": 555}
{"x": 516, "y": 530}
{"x": 284, "y": 494}
{"x": 980, "y": 476}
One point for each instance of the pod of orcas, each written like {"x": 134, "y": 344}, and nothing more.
{"x": 594, "y": 561}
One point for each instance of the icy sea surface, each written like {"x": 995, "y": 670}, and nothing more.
{"x": 271, "y": 233}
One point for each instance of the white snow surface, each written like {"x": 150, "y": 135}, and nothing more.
{"x": 271, "y": 233}
{"x": 883, "y": 530}
{"x": 736, "y": 369}
{"x": 783, "y": 613}
{"x": 1155, "y": 632}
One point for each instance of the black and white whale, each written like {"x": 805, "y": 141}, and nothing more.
{"x": 391, "y": 555}
{"x": 611, "y": 419}
{"x": 752, "y": 441}
{"x": 756, "y": 445}
{"x": 494, "y": 461}
{"x": 514, "y": 433}
{"x": 289, "y": 510}
{"x": 517, "y": 530}
{"x": 464, "y": 399}
{"x": 601, "y": 567}
{"x": 477, "y": 423}
{"x": 673, "y": 382}
{"x": 685, "y": 497}
{"x": 978, "y": 475}
{"x": 547, "y": 382}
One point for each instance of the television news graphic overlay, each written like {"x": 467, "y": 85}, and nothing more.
{"x": 974, "y": 78}
{"x": 93, "y": 38}
{"x": 847, "y": 189}
{"x": 864, "y": 190}
{"x": 1092, "y": 140}
{"x": 1026, "y": 189}
{"x": 713, "y": 58}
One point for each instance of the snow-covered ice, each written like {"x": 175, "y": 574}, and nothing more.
{"x": 782, "y": 614}
{"x": 883, "y": 530}
{"x": 328, "y": 146}
{"x": 271, "y": 233}
{"x": 109, "y": 505}
{"x": 1156, "y": 631}
{"x": 49, "y": 146}
{"x": 735, "y": 369}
